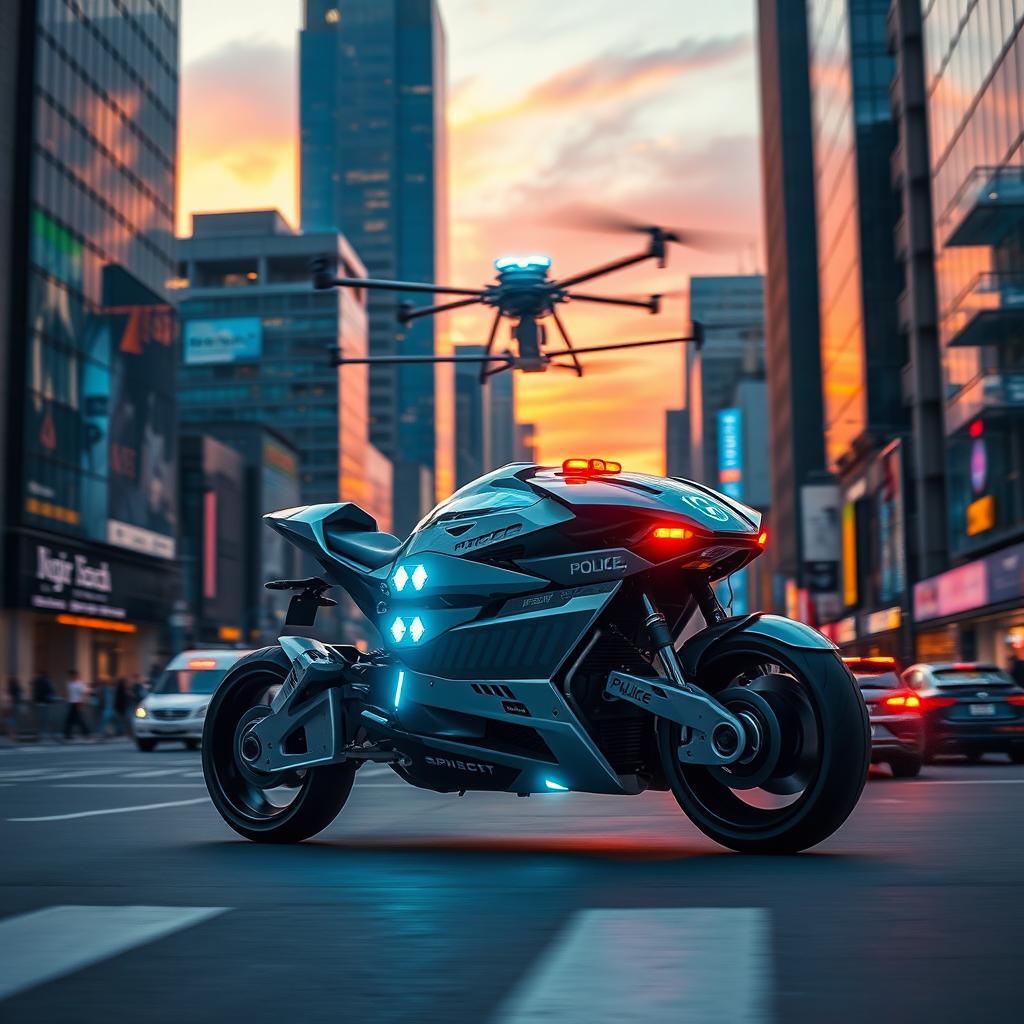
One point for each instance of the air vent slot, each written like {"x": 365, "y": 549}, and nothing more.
{"x": 493, "y": 690}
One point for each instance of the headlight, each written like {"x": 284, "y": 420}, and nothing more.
{"x": 140, "y": 712}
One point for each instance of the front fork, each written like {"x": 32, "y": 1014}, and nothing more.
{"x": 712, "y": 735}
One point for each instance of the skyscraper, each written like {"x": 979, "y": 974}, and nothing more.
{"x": 731, "y": 309}
{"x": 89, "y": 336}
{"x": 792, "y": 348}
{"x": 863, "y": 352}
{"x": 974, "y": 60}
{"x": 472, "y": 419}
{"x": 373, "y": 165}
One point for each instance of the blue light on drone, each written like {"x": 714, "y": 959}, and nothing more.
{"x": 557, "y": 786}
{"x": 398, "y": 689}
{"x": 532, "y": 262}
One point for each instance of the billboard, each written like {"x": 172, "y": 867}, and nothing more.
{"x": 730, "y": 452}
{"x": 225, "y": 340}
{"x": 99, "y": 419}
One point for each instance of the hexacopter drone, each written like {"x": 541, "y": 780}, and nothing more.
{"x": 524, "y": 293}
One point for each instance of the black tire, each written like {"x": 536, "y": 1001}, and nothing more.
{"x": 832, "y": 779}
{"x": 145, "y": 745}
{"x": 191, "y": 744}
{"x": 319, "y": 795}
{"x": 905, "y": 767}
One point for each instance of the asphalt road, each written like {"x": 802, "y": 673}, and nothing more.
{"x": 124, "y": 897}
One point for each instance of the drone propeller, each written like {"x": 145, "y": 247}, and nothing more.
{"x": 584, "y": 217}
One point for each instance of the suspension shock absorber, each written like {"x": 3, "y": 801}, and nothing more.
{"x": 708, "y": 603}
{"x": 661, "y": 640}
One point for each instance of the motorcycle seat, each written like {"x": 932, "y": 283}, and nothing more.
{"x": 366, "y": 547}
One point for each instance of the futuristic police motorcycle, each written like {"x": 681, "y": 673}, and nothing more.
{"x": 545, "y": 630}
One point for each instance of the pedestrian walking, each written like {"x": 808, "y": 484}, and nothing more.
{"x": 104, "y": 703}
{"x": 15, "y": 700}
{"x": 77, "y": 696}
{"x": 42, "y": 697}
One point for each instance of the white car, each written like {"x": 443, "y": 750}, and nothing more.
{"x": 175, "y": 709}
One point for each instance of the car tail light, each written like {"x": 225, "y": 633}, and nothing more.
{"x": 902, "y": 701}
{"x": 672, "y": 533}
{"x": 1017, "y": 699}
{"x": 931, "y": 703}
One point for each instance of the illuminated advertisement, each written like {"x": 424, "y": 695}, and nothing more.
{"x": 892, "y": 551}
{"x": 226, "y": 340}
{"x": 99, "y": 422}
{"x": 849, "y": 522}
{"x": 730, "y": 452}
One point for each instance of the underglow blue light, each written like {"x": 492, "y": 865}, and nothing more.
{"x": 398, "y": 689}
{"x": 551, "y": 784}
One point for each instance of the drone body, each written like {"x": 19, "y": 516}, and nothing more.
{"x": 525, "y": 294}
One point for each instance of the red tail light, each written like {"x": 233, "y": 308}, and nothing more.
{"x": 904, "y": 700}
{"x": 1017, "y": 699}
{"x": 762, "y": 538}
{"x": 931, "y": 703}
{"x": 672, "y": 533}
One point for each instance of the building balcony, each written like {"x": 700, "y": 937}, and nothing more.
{"x": 989, "y": 312}
{"x": 988, "y": 393}
{"x": 989, "y": 204}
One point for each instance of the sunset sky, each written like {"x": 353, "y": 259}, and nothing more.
{"x": 648, "y": 108}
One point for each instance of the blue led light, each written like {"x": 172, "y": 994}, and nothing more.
{"x": 400, "y": 579}
{"x": 416, "y": 629}
{"x": 532, "y": 262}
{"x": 398, "y": 689}
{"x": 398, "y": 629}
{"x": 551, "y": 784}
{"x": 419, "y": 577}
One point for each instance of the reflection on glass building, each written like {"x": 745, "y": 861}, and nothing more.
{"x": 373, "y": 166}
{"x": 257, "y": 343}
{"x": 863, "y": 351}
{"x": 91, "y": 339}
{"x": 975, "y": 93}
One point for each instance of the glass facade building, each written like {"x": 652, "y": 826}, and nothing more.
{"x": 90, "y": 336}
{"x": 975, "y": 84}
{"x": 792, "y": 347}
{"x": 373, "y": 166}
{"x": 858, "y": 277}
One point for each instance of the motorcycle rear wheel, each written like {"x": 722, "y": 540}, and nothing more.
{"x": 255, "y": 807}
{"x": 795, "y": 796}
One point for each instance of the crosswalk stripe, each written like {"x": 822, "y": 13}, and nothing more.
{"x": 50, "y": 943}
{"x": 660, "y": 965}
{"x": 114, "y": 810}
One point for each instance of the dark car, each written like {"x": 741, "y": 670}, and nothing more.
{"x": 897, "y": 731}
{"x": 969, "y": 708}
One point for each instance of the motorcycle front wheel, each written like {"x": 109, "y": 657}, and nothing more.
{"x": 280, "y": 807}
{"x": 804, "y": 771}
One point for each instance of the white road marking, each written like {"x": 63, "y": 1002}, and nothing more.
{"x": 130, "y": 785}
{"x": 963, "y": 782}
{"x": 152, "y": 773}
{"x": 80, "y": 774}
{"x": 115, "y": 810}
{"x": 656, "y": 965}
{"x": 50, "y": 943}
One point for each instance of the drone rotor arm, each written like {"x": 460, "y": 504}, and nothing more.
{"x": 408, "y": 315}
{"x": 396, "y": 286}
{"x": 651, "y": 304}
{"x": 506, "y": 359}
{"x": 576, "y": 366}
{"x": 637, "y": 344}
{"x": 607, "y": 268}
{"x": 484, "y": 372}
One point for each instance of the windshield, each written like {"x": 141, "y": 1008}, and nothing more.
{"x": 878, "y": 681}
{"x": 980, "y": 676}
{"x": 495, "y": 492}
{"x": 189, "y": 681}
